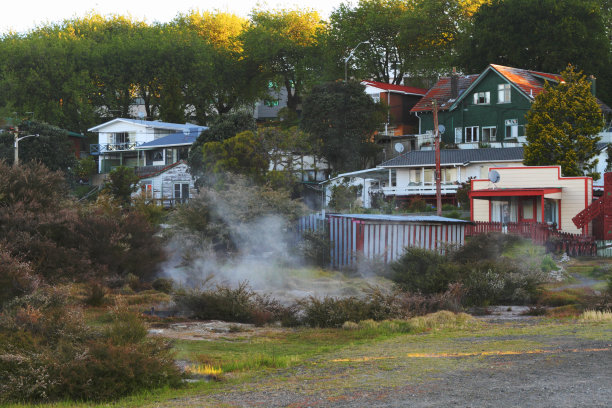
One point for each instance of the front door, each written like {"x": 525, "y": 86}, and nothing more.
{"x": 527, "y": 210}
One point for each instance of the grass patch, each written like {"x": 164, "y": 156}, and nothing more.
{"x": 596, "y": 316}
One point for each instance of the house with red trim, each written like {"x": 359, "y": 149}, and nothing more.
{"x": 400, "y": 126}
{"x": 532, "y": 195}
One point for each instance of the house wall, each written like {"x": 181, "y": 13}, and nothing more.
{"x": 468, "y": 114}
{"x": 576, "y": 195}
{"x": 163, "y": 183}
{"x": 459, "y": 174}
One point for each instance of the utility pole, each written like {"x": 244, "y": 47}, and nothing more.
{"x": 438, "y": 174}
{"x": 16, "y": 145}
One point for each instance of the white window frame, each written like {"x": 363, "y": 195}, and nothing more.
{"x": 482, "y": 98}
{"x": 489, "y": 128}
{"x": 512, "y": 129}
{"x": 472, "y": 139}
{"x": 503, "y": 93}
{"x": 180, "y": 196}
{"x": 458, "y": 135}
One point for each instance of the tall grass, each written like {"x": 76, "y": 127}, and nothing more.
{"x": 596, "y": 316}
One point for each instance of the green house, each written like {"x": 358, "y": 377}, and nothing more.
{"x": 487, "y": 109}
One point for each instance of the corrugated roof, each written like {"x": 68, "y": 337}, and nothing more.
{"x": 175, "y": 139}
{"x": 396, "y": 88}
{"x": 441, "y": 92}
{"x": 455, "y": 156}
{"x": 404, "y": 218}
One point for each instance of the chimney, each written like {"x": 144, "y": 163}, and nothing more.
{"x": 454, "y": 84}
{"x": 592, "y": 80}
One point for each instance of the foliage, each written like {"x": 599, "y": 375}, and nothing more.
{"x": 48, "y": 353}
{"x": 425, "y": 271}
{"x": 16, "y": 278}
{"x": 221, "y": 128}
{"x": 85, "y": 167}
{"x": 122, "y": 183}
{"x": 52, "y": 147}
{"x": 463, "y": 195}
{"x": 61, "y": 239}
{"x": 417, "y": 204}
{"x": 284, "y": 43}
{"x": 163, "y": 285}
{"x": 341, "y": 119}
{"x": 315, "y": 247}
{"x": 242, "y": 154}
{"x": 526, "y": 34}
{"x": 344, "y": 197}
{"x": 96, "y": 294}
{"x": 563, "y": 125}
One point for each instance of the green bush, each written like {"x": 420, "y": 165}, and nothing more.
{"x": 96, "y": 294}
{"x": 48, "y": 353}
{"x": 424, "y": 271}
{"x": 333, "y": 312}
{"x": 163, "y": 285}
{"x": 315, "y": 248}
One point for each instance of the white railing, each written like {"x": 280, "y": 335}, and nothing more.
{"x": 419, "y": 189}
{"x": 113, "y": 147}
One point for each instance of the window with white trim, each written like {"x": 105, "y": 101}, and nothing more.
{"x": 181, "y": 192}
{"x": 458, "y": 134}
{"x": 489, "y": 134}
{"x": 503, "y": 93}
{"x": 146, "y": 187}
{"x": 513, "y": 129}
{"x": 482, "y": 98}
{"x": 471, "y": 134}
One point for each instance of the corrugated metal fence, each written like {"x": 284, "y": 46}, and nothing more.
{"x": 384, "y": 237}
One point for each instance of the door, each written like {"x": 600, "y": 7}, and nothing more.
{"x": 527, "y": 210}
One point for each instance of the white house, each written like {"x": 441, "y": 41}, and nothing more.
{"x": 119, "y": 140}
{"x": 169, "y": 185}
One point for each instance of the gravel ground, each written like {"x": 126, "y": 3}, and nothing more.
{"x": 544, "y": 370}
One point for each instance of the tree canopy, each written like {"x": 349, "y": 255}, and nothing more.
{"x": 542, "y": 35}
{"x": 341, "y": 119}
{"x": 563, "y": 125}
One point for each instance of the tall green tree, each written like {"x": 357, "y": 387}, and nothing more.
{"x": 341, "y": 119}
{"x": 563, "y": 125}
{"x": 285, "y": 44}
{"x": 542, "y": 35}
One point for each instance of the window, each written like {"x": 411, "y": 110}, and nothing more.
{"x": 503, "y": 93}
{"x": 376, "y": 97}
{"x": 458, "y": 134}
{"x": 169, "y": 156}
{"x": 120, "y": 138}
{"x": 271, "y": 102}
{"x": 429, "y": 176}
{"x": 489, "y": 134}
{"x": 157, "y": 155}
{"x": 482, "y": 98}
{"x": 393, "y": 175}
{"x": 513, "y": 129}
{"x": 147, "y": 188}
{"x": 550, "y": 212}
{"x": 471, "y": 134}
{"x": 181, "y": 192}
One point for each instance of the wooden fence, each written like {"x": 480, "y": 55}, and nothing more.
{"x": 540, "y": 234}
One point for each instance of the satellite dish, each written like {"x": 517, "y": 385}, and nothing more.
{"x": 494, "y": 176}
{"x": 441, "y": 128}
{"x": 399, "y": 147}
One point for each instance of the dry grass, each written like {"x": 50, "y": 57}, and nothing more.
{"x": 596, "y": 316}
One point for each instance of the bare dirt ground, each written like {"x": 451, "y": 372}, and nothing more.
{"x": 554, "y": 367}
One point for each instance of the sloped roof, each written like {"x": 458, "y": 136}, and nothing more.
{"x": 158, "y": 172}
{"x": 150, "y": 123}
{"x": 175, "y": 139}
{"x": 404, "y": 218}
{"x": 441, "y": 92}
{"x": 455, "y": 156}
{"x": 395, "y": 88}
{"x": 531, "y": 83}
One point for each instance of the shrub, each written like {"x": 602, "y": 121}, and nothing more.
{"x": 163, "y": 285}
{"x": 488, "y": 246}
{"x": 315, "y": 247}
{"x": 417, "y": 204}
{"x": 16, "y": 277}
{"x": 344, "y": 197}
{"x": 421, "y": 270}
{"x": 48, "y": 353}
{"x": 96, "y": 294}
{"x": 333, "y": 312}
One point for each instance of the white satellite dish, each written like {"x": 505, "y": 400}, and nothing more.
{"x": 494, "y": 176}
{"x": 441, "y": 128}
{"x": 399, "y": 147}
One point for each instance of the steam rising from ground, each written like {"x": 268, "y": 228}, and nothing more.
{"x": 267, "y": 257}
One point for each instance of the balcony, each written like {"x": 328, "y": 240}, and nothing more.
{"x": 419, "y": 189}
{"x": 113, "y": 147}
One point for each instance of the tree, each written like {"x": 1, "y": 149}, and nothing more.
{"x": 542, "y": 35}
{"x": 52, "y": 148}
{"x": 122, "y": 183}
{"x": 562, "y": 126}
{"x": 242, "y": 154}
{"x": 284, "y": 43}
{"x": 341, "y": 119}
{"x": 222, "y": 127}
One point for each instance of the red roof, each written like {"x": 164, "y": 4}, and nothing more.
{"x": 530, "y": 82}
{"x": 441, "y": 92}
{"x": 397, "y": 88}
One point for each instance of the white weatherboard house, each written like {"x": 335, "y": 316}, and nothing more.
{"x": 156, "y": 150}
